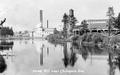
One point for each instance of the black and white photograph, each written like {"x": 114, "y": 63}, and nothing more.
{"x": 59, "y": 37}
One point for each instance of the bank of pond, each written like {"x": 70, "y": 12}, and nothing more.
{"x": 6, "y": 45}
{"x": 88, "y": 39}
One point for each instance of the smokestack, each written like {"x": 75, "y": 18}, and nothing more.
{"x": 41, "y": 18}
{"x": 71, "y": 12}
{"x": 47, "y": 24}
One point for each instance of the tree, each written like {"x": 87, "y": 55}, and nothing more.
{"x": 56, "y": 31}
{"x": 84, "y": 24}
{"x": 5, "y": 31}
{"x": 69, "y": 23}
{"x": 110, "y": 14}
{"x": 117, "y": 22}
{"x": 72, "y": 21}
{"x": 3, "y": 22}
{"x": 84, "y": 27}
{"x": 65, "y": 21}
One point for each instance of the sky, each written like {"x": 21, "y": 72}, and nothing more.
{"x": 24, "y": 14}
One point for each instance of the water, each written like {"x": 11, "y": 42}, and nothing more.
{"x": 38, "y": 57}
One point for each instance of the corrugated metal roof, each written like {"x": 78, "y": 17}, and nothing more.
{"x": 98, "y": 26}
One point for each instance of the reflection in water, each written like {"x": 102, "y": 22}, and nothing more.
{"x": 47, "y": 51}
{"x": 118, "y": 61}
{"x": 3, "y": 65}
{"x": 70, "y": 51}
{"x": 41, "y": 55}
{"x": 114, "y": 55}
{"x": 55, "y": 45}
{"x": 114, "y": 62}
{"x": 111, "y": 64}
{"x": 70, "y": 54}
{"x": 26, "y": 41}
{"x": 5, "y": 45}
{"x": 32, "y": 41}
{"x": 86, "y": 50}
{"x": 43, "y": 50}
{"x": 69, "y": 57}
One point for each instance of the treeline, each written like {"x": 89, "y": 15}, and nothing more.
{"x": 6, "y": 31}
{"x": 6, "y": 45}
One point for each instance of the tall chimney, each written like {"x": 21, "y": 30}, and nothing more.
{"x": 41, "y": 18}
{"x": 71, "y": 12}
{"x": 47, "y": 24}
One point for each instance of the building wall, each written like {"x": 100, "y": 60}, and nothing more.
{"x": 98, "y": 24}
{"x": 43, "y": 32}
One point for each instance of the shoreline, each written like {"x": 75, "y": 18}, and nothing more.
{"x": 20, "y": 38}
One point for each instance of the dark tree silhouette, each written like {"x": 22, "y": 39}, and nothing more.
{"x": 7, "y": 45}
{"x": 56, "y": 31}
{"x": 65, "y": 21}
{"x": 84, "y": 24}
{"x": 5, "y": 31}
{"x": 117, "y": 22}
{"x": 3, "y": 22}
{"x": 3, "y": 64}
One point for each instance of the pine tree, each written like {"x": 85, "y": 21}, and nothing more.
{"x": 117, "y": 22}
{"x": 84, "y": 24}
{"x": 65, "y": 21}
